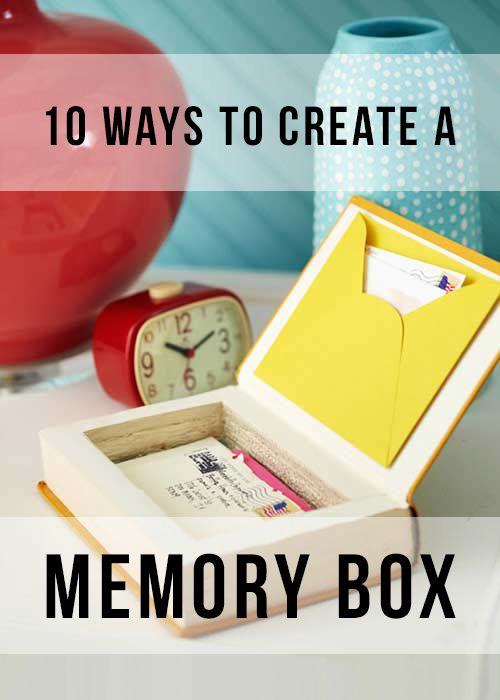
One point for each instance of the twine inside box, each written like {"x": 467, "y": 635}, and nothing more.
{"x": 143, "y": 436}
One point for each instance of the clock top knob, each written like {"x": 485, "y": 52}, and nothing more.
{"x": 164, "y": 290}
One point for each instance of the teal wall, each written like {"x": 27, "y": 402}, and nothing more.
{"x": 274, "y": 230}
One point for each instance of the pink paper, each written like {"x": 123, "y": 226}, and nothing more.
{"x": 265, "y": 475}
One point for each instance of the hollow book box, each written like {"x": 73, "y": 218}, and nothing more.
{"x": 345, "y": 400}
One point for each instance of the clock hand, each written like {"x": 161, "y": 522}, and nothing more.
{"x": 203, "y": 340}
{"x": 187, "y": 352}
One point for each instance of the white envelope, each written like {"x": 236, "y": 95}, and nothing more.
{"x": 404, "y": 292}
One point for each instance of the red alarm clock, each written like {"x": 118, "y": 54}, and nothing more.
{"x": 170, "y": 341}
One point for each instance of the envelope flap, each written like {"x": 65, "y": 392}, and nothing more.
{"x": 338, "y": 355}
{"x": 347, "y": 366}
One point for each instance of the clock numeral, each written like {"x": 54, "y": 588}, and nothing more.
{"x": 219, "y": 314}
{"x": 152, "y": 392}
{"x": 183, "y": 322}
{"x": 189, "y": 379}
{"x": 211, "y": 379}
{"x": 162, "y": 325}
{"x": 149, "y": 336}
{"x": 171, "y": 388}
{"x": 147, "y": 364}
{"x": 225, "y": 344}
{"x": 226, "y": 366}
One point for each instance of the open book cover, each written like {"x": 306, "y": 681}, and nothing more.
{"x": 344, "y": 401}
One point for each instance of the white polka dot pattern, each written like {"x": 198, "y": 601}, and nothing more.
{"x": 432, "y": 185}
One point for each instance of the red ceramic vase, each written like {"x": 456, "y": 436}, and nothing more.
{"x": 64, "y": 255}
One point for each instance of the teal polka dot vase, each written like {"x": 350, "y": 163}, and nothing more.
{"x": 400, "y": 61}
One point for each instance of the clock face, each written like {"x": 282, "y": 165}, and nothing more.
{"x": 191, "y": 349}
